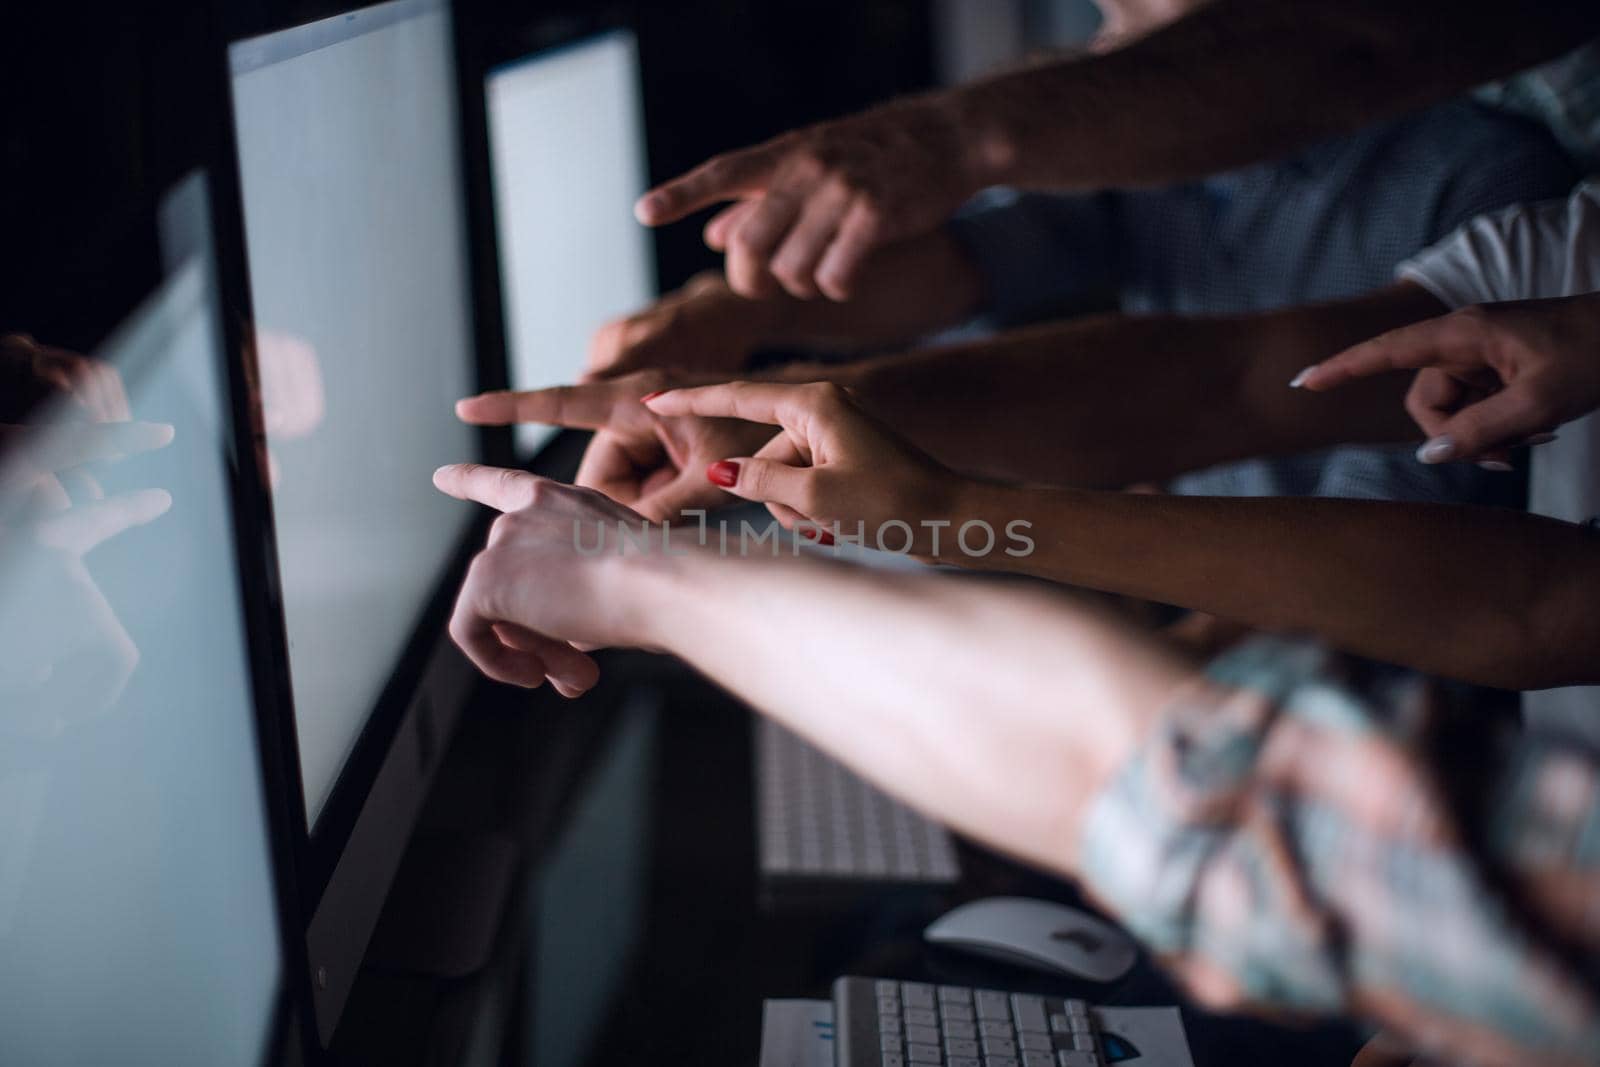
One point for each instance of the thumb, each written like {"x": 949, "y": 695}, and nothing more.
{"x": 1495, "y": 422}
{"x": 764, "y": 480}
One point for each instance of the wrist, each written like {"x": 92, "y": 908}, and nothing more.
{"x": 989, "y": 134}
{"x": 658, "y": 586}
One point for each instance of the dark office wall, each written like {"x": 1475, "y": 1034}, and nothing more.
{"x": 103, "y": 106}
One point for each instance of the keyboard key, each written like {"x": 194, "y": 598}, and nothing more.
{"x": 1030, "y": 1013}
{"x": 1083, "y": 1042}
{"x": 888, "y": 1024}
{"x": 922, "y": 1035}
{"x": 955, "y": 994}
{"x": 1038, "y": 1059}
{"x": 1034, "y": 1042}
{"x": 1080, "y": 1024}
{"x": 992, "y": 1005}
{"x": 956, "y": 1012}
{"x": 965, "y": 1031}
{"x": 917, "y": 995}
{"x": 921, "y": 1017}
{"x": 1074, "y": 1058}
{"x": 1077, "y": 1007}
{"x": 888, "y": 1005}
{"x": 995, "y": 1028}
{"x": 1060, "y": 1024}
{"x": 1000, "y": 1061}
{"x": 955, "y": 1046}
{"x": 923, "y": 1054}
{"x": 889, "y": 1042}
{"x": 893, "y": 1059}
{"x": 965, "y": 1061}
{"x": 999, "y": 1046}
{"x": 886, "y": 988}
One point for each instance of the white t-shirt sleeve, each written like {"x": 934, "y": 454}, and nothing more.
{"x": 1527, "y": 252}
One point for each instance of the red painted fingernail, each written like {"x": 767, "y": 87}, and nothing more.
{"x": 650, "y": 396}
{"x": 824, "y": 537}
{"x": 723, "y": 472}
{"x": 808, "y": 533}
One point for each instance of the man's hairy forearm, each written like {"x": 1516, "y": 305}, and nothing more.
{"x": 1484, "y": 595}
{"x": 1111, "y": 401}
{"x": 1239, "y": 81}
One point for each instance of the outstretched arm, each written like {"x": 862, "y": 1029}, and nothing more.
{"x": 1494, "y": 597}
{"x": 1265, "y": 795}
{"x": 1111, "y": 401}
{"x": 1233, "y": 82}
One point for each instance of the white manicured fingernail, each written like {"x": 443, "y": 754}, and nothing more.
{"x": 1300, "y": 379}
{"x": 1439, "y": 450}
{"x": 1499, "y": 466}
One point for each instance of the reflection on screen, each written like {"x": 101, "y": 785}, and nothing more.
{"x": 137, "y": 921}
{"x": 353, "y": 217}
{"x": 567, "y": 149}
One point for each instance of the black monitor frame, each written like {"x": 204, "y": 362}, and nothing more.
{"x": 188, "y": 225}
{"x": 346, "y": 862}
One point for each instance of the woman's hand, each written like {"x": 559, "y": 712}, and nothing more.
{"x": 1489, "y": 377}
{"x": 651, "y": 464}
{"x": 834, "y": 467}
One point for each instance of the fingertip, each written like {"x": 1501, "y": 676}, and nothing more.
{"x": 444, "y": 478}
{"x": 651, "y": 208}
{"x": 834, "y": 284}
{"x": 1303, "y": 379}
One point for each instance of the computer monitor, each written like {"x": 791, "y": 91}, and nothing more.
{"x": 139, "y": 918}
{"x": 356, "y": 244}
{"x": 567, "y": 159}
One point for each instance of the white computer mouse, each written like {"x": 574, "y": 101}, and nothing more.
{"x": 1037, "y": 934}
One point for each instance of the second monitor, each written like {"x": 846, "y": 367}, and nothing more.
{"x": 567, "y": 156}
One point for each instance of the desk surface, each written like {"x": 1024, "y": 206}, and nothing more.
{"x": 634, "y": 930}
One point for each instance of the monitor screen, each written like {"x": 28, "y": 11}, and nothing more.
{"x": 138, "y": 922}
{"x": 355, "y": 227}
{"x": 566, "y": 141}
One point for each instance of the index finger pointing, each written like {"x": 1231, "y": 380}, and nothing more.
{"x": 724, "y": 177}
{"x": 581, "y": 407}
{"x": 497, "y": 487}
{"x": 1408, "y": 348}
{"x": 761, "y": 402}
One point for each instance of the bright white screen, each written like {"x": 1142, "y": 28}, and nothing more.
{"x": 567, "y": 151}
{"x": 137, "y": 920}
{"x": 354, "y": 222}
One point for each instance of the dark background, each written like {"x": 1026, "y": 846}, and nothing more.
{"x": 103, "y": 108}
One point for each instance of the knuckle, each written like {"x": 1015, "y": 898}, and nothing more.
{"x": 827, "y": 396}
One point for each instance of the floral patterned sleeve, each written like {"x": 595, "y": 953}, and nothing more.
{"x": 1287, "y": 841}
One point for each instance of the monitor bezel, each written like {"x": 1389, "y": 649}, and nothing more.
{"x": 351, "y": 850}
{"x": 187, "y": 227}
